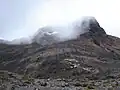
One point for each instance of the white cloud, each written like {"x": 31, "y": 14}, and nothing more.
{"x": 107, "y": 12}
{"x": 51, "y": 12}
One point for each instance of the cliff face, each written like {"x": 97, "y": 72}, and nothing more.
{"x": 93, "y": 55}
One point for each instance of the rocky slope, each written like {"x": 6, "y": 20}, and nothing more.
{"x": 94, "y": 55}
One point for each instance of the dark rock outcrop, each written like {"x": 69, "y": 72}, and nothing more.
{"x": 92, "y": 27}
{"x": 92, "y": 30}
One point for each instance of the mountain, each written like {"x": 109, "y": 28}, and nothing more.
{"x": 93, "y": 55}
{"x": 45, "y": 36}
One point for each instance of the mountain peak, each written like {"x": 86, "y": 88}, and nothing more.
{"x": 45, "y": 36}
{"x": 88, "y": 26}
{"x": 93, "y": 26}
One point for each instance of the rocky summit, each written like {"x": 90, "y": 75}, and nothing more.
{"x": 91, "y": 61}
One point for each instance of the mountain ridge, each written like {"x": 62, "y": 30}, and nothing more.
{"x": 91, "y": 57}
{"x": 94, "y": 43}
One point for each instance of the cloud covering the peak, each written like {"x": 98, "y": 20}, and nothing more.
{"x": 23, "y": 18}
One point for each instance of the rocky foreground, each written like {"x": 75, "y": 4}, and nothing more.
{"x": 89, "y": 62}
{"x": 10, "y": 81}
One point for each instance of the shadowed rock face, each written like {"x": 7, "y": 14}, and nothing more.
{"x": 93, "y": 31}
{"x": 92, "y": 27}
{"x": 88, "y": 28}
{"x": 95, "y": 27}
{"x": 94, "y": 55}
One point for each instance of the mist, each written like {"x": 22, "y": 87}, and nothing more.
{"x": 23, "y": 18}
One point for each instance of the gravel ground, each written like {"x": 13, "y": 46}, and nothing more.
{"x": 59, "y": 84}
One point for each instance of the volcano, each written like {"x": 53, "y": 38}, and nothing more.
{"x": 93, "y": 55}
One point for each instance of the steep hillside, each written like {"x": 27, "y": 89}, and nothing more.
{"x": 94, "y": 55}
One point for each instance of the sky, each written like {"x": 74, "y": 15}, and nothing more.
{"x": 21, "y": 18}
